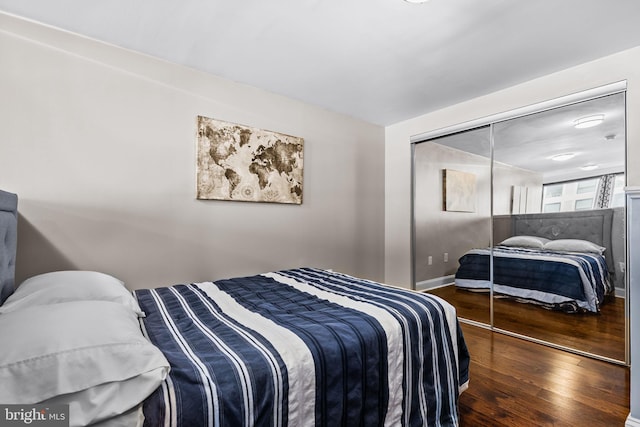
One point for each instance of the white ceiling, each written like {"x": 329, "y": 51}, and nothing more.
{"x": 382, "y": 61}
{"x": 530, "y": 141}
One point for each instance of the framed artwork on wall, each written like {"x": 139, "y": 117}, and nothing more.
{"x": 459, "y": 192}
{"x": 242, "y": 163}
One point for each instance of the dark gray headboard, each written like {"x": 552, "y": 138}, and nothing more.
{"x": 8, "y": 242}
{"x": 593, "y": 225}
{"x": 599, "y": 226}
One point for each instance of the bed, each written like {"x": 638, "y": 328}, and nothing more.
{"x": 302, "y": 346}
{"x": 555, "y": 261}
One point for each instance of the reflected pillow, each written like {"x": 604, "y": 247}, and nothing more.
{"x": 525, "y": 242}
{"x": 574, "y": 245}
{"x": 64, "y": 286}
{"x": 90, "y": 355}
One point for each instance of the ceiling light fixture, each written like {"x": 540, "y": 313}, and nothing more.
{"x": 588, "y": 122}
{"x": 563, "y": 157}
{"x": 416, "y": 1}
{"x": 589, "y": 167}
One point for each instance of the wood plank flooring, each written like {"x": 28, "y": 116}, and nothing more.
{"x": 514, "y": 382}
{"x": 602, "y": 333}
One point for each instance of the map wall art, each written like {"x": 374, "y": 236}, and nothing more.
{"x": 237, "y": 162}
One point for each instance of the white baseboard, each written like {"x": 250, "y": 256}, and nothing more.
{"x": 438, "y": 282}
{"x": 632, "y": 422}
{"x": 620, "y": 293}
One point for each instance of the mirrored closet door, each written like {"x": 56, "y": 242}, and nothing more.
{"x": 448, "y": 217}
{"x": 528, "y": 212}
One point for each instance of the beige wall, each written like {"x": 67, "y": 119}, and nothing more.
{"x": 439, "y": 231}
{"x": 505, "y": 177}
{"x": 99, "y": 143}
{"x": 614, "y": 68}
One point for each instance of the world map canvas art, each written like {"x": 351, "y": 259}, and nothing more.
{"x": 237, "y": 162}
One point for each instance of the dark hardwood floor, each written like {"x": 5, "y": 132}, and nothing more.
{"x": 514, "y": 382}
{"x": 602, "y": 333}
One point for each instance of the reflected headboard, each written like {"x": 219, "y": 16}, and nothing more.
{"x": 599, "y": 226}
{"x": 8, "y": 242}
{"x": 593, "y": 225}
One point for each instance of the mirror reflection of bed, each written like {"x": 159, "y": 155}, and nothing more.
{"x": 558, "y": 262}
{"x": 553, "y": 230}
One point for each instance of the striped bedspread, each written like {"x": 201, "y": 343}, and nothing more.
{"x": 304, "y": 347}
{"x": 561, "y": 280}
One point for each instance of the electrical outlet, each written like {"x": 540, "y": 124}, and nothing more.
{"x": 430, "y": 260}
{"x": 622, "y": 266}
{"x": 446, "y": 257}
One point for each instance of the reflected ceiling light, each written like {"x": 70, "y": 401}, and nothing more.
{"x": 588, "y": 122}
{"x": 416, "y": 1}
{"x": 589, "y": 167}
{"x": 562, "y": 157}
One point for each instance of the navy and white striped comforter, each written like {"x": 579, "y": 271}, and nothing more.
{"x": 566, "y": 281}
{"x": 304, "y": 347}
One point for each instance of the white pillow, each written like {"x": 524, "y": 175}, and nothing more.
{"x": 525, "y": 242}
{"x": 574, "y": 245}
{"x": 65, "y": 286}
{"x": 90, "y": 355}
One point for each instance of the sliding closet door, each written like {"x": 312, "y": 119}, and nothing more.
{"x": 452, "y": 215}
{"x": 555, "y": 170}
{"x": 554, "y": 180}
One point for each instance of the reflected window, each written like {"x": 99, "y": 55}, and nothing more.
{"x": 554, "y": 190}
{"x": 587, "y": 186}
{"x": 552, "y": 207}
{"x": 605, "y": 191}
{"x": 618, "y": 191}
{"x": 584, "y": 204}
